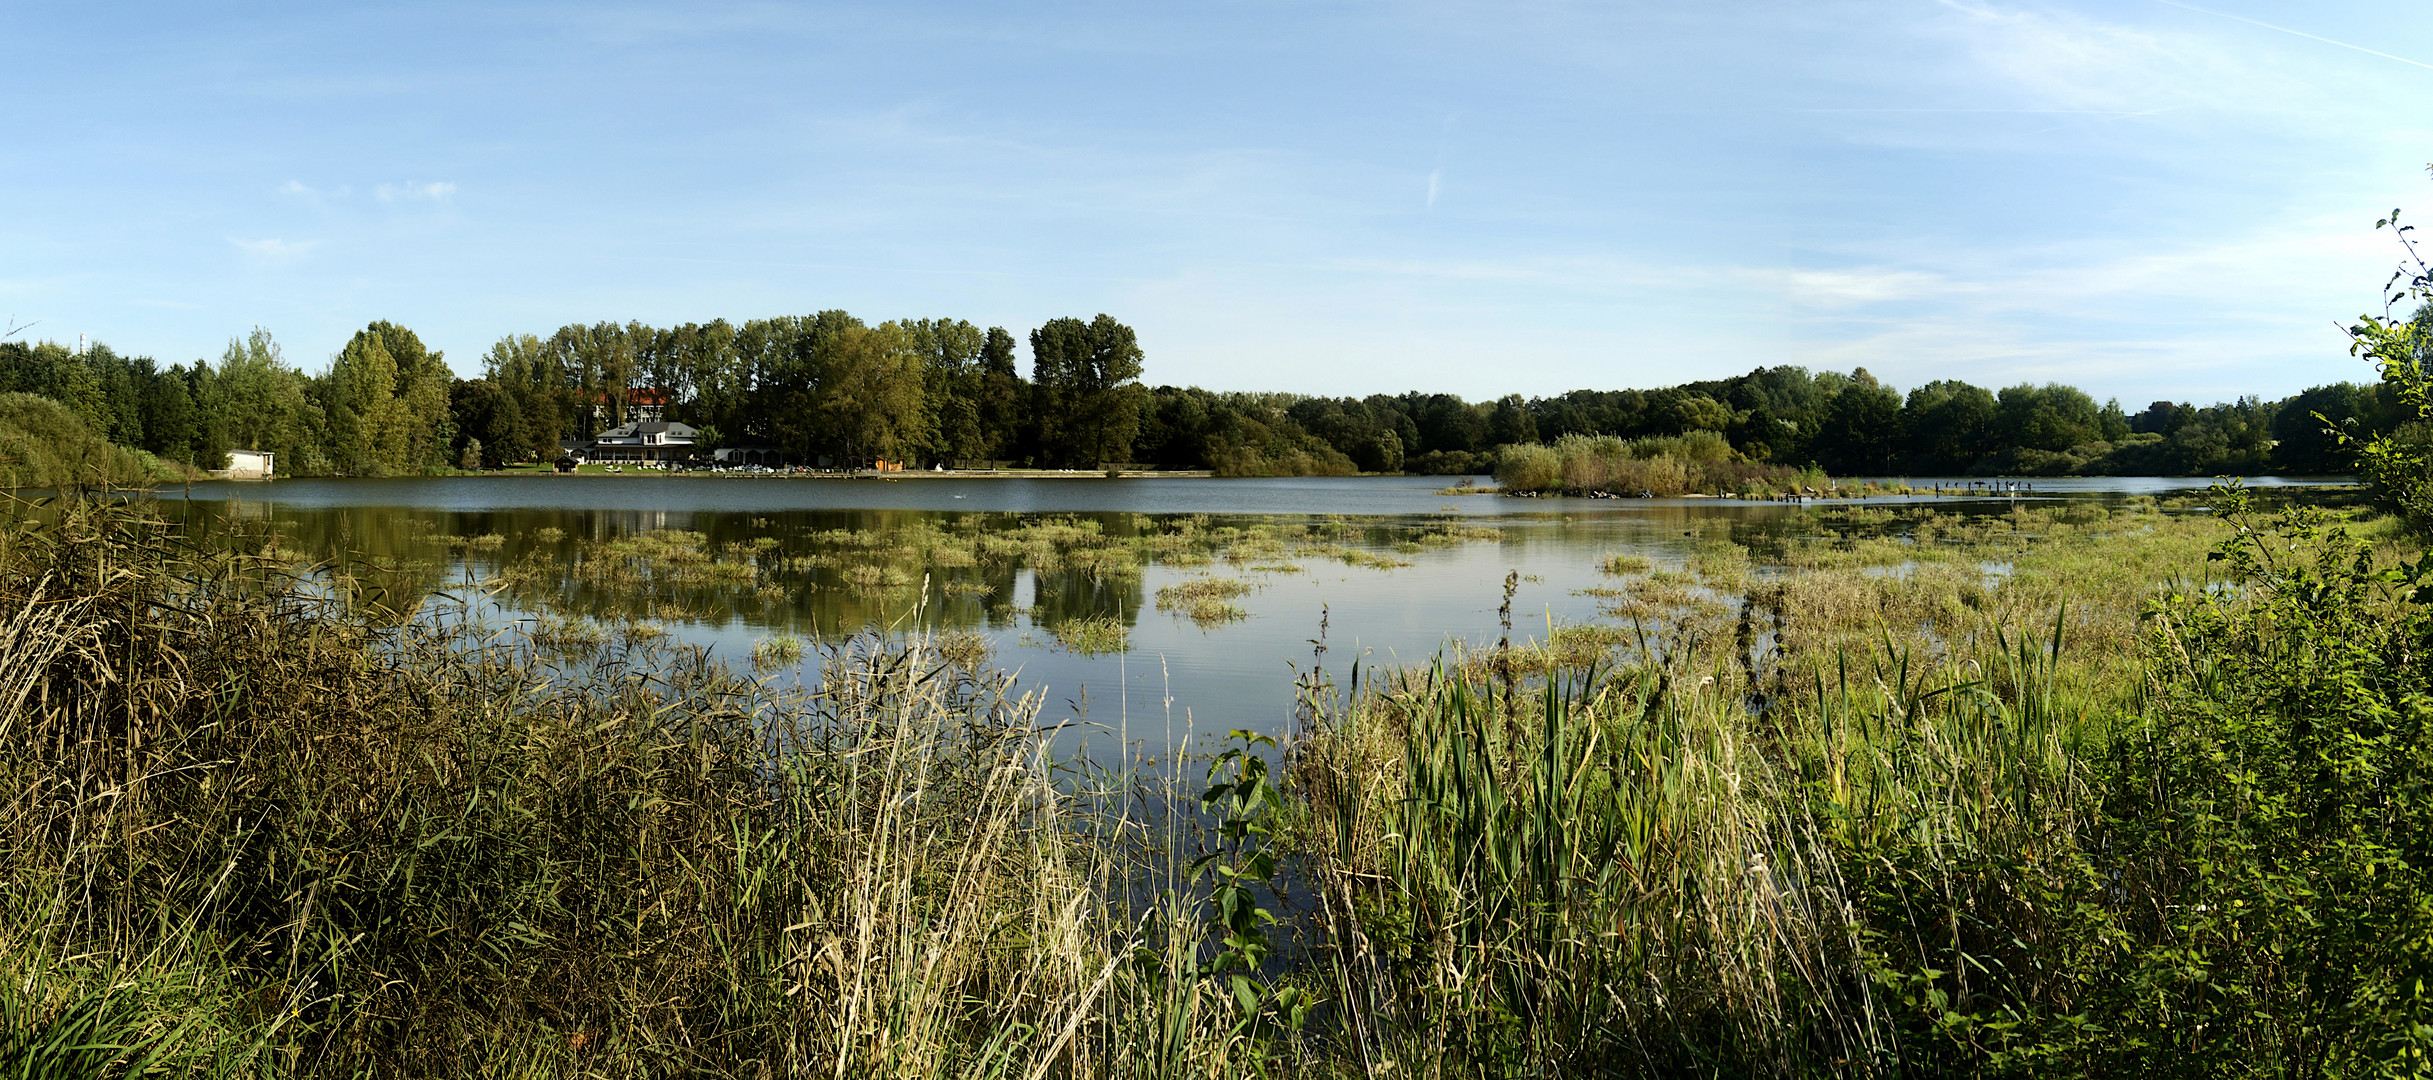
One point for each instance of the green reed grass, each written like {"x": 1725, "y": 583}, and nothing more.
{"x": 1093, "y": 635}
{"x": 1957, "y": 824}
{"x": 251, "y": 831}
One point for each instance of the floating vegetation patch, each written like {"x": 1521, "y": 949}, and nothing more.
{"x": 1722, "y": 564}
{"x": 1093, "y": 635}
{"x": 1207, "y": 601}
{"x": 1619, "y": 565}
{"x": 772, "y": 653}
{"x": 1658, "y": 595}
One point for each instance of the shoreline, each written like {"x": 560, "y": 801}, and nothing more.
{"x": 854, "y": 474}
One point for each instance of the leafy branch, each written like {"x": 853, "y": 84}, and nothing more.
{"x": 1245, "y": 799}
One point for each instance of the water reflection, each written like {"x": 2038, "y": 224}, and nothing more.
{"x": 713, "y": 566}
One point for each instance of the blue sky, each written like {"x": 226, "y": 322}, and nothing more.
{"x": 2148, "y": 199}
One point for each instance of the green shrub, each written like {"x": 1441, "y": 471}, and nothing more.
{"x": 42, "y": 444}
{"x": 1700, "y": 461}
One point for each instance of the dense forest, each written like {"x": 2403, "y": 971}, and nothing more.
{"x": 946, "y": 391}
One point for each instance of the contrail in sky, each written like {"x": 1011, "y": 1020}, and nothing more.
{"x": 2300, "y": 33}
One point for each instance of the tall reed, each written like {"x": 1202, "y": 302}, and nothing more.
{"x": 254, "y": 828}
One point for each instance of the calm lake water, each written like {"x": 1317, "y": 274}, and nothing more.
{"x": 741, "y": 560}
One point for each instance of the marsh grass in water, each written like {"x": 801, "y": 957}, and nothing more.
{"x": 782, "y": 651}
{"x": 1207, "y": 601}
{"x": 1093, "y": 635}
{"x": 1620, "y": 564}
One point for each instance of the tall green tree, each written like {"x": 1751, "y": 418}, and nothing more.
{"x": 257, "y": 401}
{"x": 489, "y": 421}
{"x": 950, "y": 357}
{"x": 1947, "y": 425}
{"x": 387, "y": 399}
{"x": 1861, "y": 431}
{"x": 2051, "y": 417}
{"x": 1002, "y": 395}
{"x": 1509, "y": 422}
{"x": 869, "y": 395}
{"x": 792, "y": 403}
{"x": 170, "y": 418}
{"x": 2309, "y": 428}
{"x": 546, "y": 401}
{"x": 1085, "y": 379}
{"x": 359, "y": 392}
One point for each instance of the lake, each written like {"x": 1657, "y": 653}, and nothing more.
{"x": 1395, "y": 568}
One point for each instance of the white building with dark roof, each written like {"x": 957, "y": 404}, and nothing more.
{"x": 643, "y": 441}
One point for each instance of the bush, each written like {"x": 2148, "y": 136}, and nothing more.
{"x": 1660, "y": 466}
{"x": 42, "y": 444}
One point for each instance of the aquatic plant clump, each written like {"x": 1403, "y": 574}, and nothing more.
{"x": 1093, "y": 635}
{"x": 1205, "y": 600}
{"x": 782, "y": 651}
{"x": 1619, "y": 565}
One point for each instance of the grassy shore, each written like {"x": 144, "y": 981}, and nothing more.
{"x": 2047, "y": 794}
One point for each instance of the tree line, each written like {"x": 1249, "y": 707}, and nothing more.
{"x": 945, "y": 391}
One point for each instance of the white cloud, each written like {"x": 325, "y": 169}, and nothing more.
{"x": 435, "y": 191}
{"x": 303, "y": 190}
{"x": 1842, "y": 288}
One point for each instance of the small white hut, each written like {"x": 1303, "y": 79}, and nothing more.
{"x": 250, "y": 464}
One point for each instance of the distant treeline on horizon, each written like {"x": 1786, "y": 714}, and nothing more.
{"x": 936, "y": 391}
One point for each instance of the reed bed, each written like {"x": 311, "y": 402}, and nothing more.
{"x": 1699, "y": 462}
{"x": 1998, "y": 851}
{"x": 255, "y": 827}
{"x": 250, "y": 832}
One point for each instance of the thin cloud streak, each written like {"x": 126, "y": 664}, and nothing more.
{"x": 2297, "y": 33}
